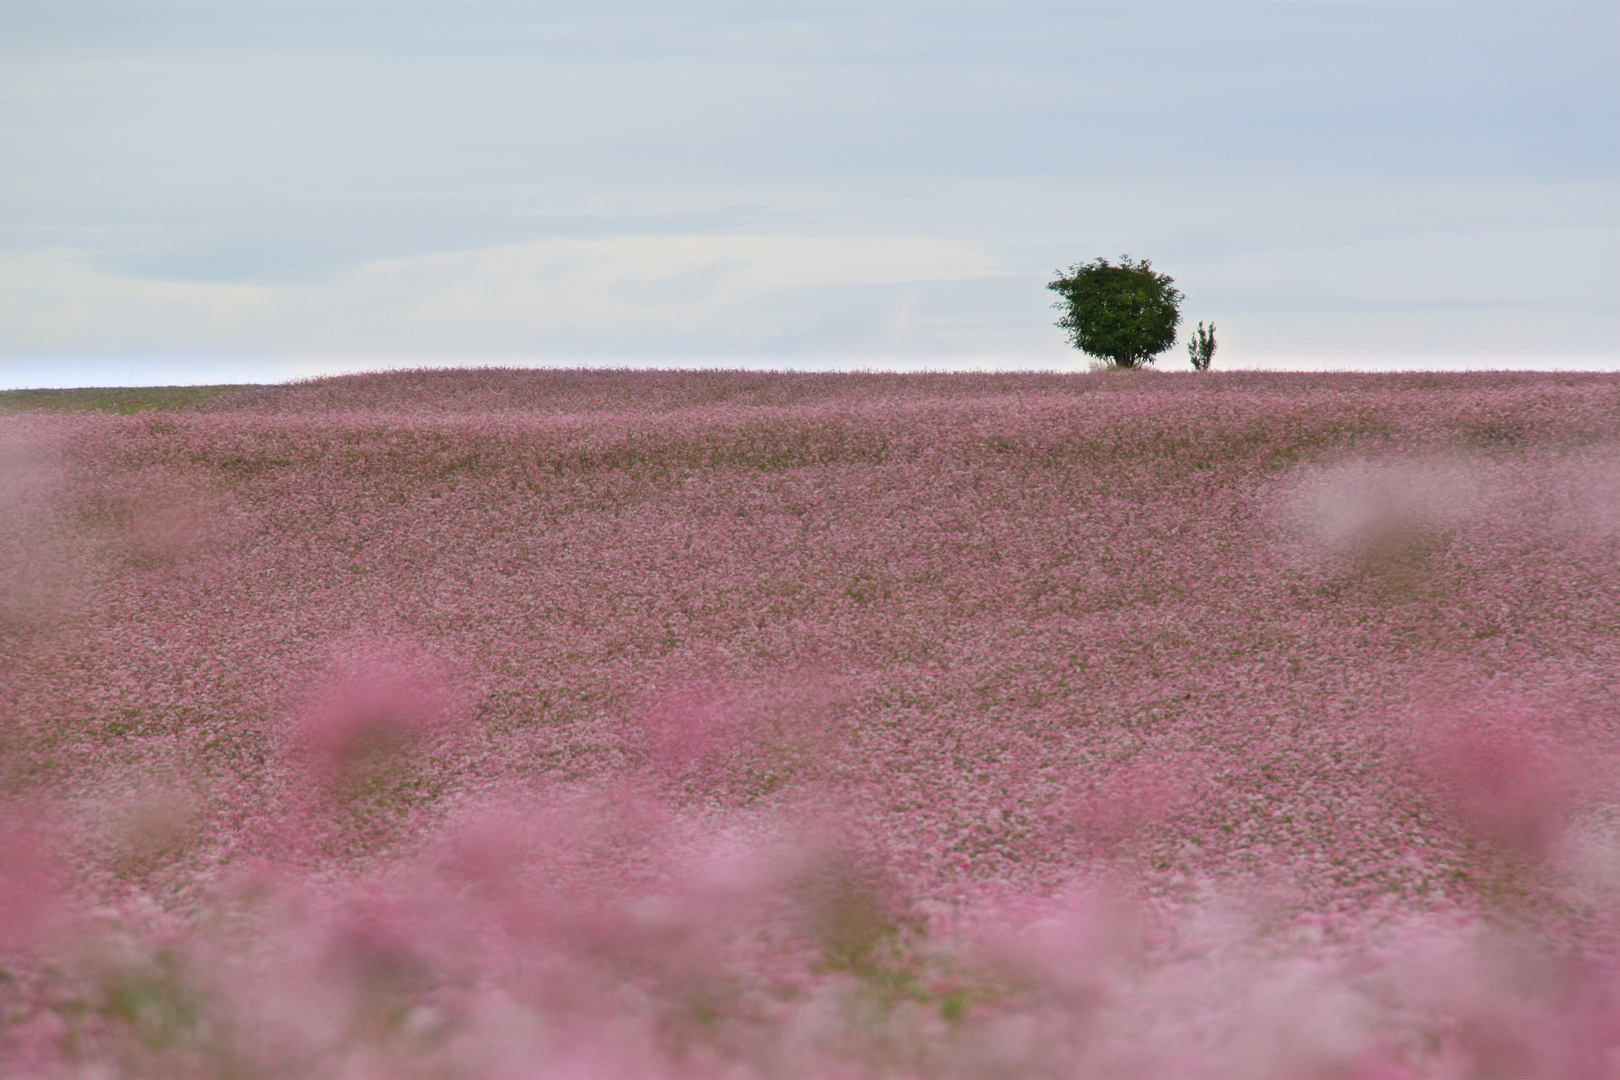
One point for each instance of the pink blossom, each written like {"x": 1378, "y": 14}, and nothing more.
{"x": 31, "y": 880}
{"x": 370, "y": 711}
{"x": 1505, "y": 781}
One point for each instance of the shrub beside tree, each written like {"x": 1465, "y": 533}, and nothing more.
{"x": 1201, "y": 347}
{"x": 1123, "y": 313}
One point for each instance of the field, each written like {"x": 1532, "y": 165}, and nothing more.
{"x": 504, "y": 724}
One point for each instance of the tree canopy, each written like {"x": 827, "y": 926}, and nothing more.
{"x": 1126, "y": 313}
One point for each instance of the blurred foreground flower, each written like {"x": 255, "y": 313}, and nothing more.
{"x": 1506, "y": 781}
{"x": 30, "y": 880}
{"x": 369, "y": 714}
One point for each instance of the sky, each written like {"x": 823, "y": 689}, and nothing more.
{"x": 254, "y": 190}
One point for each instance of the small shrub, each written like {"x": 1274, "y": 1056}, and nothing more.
{"x": 1202, "y": 347}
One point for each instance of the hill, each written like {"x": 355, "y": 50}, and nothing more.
{"x": 679, "y": 723}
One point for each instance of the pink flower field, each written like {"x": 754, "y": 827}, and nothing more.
{"x": 599, "y": 725}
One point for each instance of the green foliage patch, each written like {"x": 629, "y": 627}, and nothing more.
{"x": 123, "y": 400}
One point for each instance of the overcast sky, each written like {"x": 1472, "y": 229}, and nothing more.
{"x": 212, "y": 190}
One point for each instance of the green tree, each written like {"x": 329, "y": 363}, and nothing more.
{"x": 1125, "y": 314}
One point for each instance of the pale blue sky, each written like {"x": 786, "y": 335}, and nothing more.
{"x": 196, "y": 190}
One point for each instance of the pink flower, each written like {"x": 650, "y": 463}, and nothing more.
{"x": 369, "y": 714}
{"x": 1505, "y": 781}
{"x": 30, "y": 879}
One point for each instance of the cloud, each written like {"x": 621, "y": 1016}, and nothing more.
{"x": 739, "y": 292}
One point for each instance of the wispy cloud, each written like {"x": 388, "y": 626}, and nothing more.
{"x": 728, "y": 292}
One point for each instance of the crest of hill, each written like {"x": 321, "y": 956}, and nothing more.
{"x": 576, "y": 391}
{"x": 1496, "y": 411}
